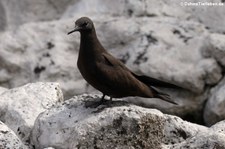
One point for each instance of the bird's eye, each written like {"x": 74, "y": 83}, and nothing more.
{"x": 84, "y": 24}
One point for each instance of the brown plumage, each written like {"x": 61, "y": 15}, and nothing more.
{"x": 109, "y": 75}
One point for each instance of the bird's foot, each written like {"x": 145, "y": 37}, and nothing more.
{"x": 104, "y": 101}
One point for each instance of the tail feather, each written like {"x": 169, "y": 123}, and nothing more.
{"x": 166, "y": 97}
{"x": 162, "y": 96}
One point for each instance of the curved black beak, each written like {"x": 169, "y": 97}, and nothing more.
{"x": 75, "y": 29}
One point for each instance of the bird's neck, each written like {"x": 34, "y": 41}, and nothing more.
{"x": 90, "y": 44}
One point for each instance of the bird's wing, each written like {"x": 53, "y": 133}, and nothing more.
{"x": 113, "y": 61}
{"x": 154, "y": 82}
{"x": 145, "y": 79}
{"x": 116, "y": 73}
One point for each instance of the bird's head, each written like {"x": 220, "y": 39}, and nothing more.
{"x": 83, "y": 24}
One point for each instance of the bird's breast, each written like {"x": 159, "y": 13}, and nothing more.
{"x": 87, "y": 68}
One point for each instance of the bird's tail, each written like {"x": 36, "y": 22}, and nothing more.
{"x": 155, "y": 82}
{"x": 162, "y": 96}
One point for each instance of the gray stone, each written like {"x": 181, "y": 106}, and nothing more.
{"x": 16, "y": 13}
{"x": 210, "y": 16}
{"x": 219, "y": 127}
{"x": 8, "y": 139}
{"x": 3, "y": 22}
{"x": 40, "y": 52}
{"x": 166, "y": 43}
{"x": 2, "y": 89}
{"x": 81, "y": 122}
{"x": 215, "y": 48}
{"x": 20, "y": 106}
{"x": 214, "y": 110}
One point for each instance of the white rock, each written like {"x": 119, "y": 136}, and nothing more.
{"x": 2, "y": 89}
{"x": 41, "y": 52}
{"x": 81, "y": 123}
{"x": 20, "y": 106}
{"x": 8, "y": 139}
{"x": 206, "y": 140}
{"x": 215, "y": 48}
{"x": 219, "y": 127}
{"x": 210, "y": 16}
{"x": 206, "y": 15}
{"x": 214, "y": 110}
{"x": 30, "y": 11}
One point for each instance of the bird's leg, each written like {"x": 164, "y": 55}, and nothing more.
{"x": 103, "y": 98}
{"x": 110, "y": 100}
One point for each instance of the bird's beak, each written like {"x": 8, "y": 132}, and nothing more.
{"x": 77, "y": 28}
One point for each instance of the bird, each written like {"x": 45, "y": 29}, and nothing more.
{"x": 109, "y": 75}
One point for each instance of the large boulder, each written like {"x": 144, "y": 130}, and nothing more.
{"x": 15, "y": 13}
{"x": 174, "y": 44}
{"x": 215, "y": 48}
{"x": 2, "y": 90}
{"x": 210, "y": 16}
{"x": 41, "y": 52}
{"x": 8, "y": 139}
{"x": 214, "y": 110}
{"x": 82, "y": 122}
{"x": 19, "y": 107}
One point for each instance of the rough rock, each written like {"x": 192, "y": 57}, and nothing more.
{"x": 166, "y": 43}
{"x": 81, "y": 122}
{"x": 19, "y": 107}
{"x": 8, "y": 139}
{"x": 219, "y": 127}
{"x": 210, "y": 16}
{"x": 14, "y": 13}
{"x": 214, "y": 110}
{"x": 40, "y": 52}
{"x": 215, "y": 48}
{"x": 32, "y": 11}
{"x": 206, "y": 15}
{"x": 2, "y": 89}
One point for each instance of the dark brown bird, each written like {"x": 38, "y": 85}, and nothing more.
{"x": 109, "y": 75}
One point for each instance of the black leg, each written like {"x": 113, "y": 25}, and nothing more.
{"x": 110, "y": 99}
{"x": 103, "y": 98}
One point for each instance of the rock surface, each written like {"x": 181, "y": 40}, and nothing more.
{"x": 165, "y": 39}
{"x": 16, "y": 14}
{"x": 215, "y": 48}
{"x": 214, "y": 110}
{"x": 82, "y": 123}
{"x": 38, "y": 118}
{"x": 20, "y": 106}
{"x": 2, "y": 90}
{"x": 8, "y": 139}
